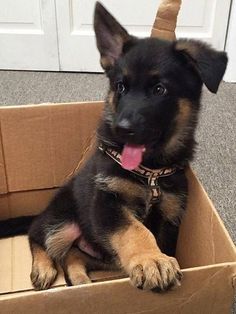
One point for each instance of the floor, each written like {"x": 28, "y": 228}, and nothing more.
{"x": 215, "y": 161}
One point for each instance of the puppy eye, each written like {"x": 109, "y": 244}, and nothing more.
{"x": 159, "y": 90}
{"x": 120, "y": 87}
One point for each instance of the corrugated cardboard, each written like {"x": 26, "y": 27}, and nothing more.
{"x": 41, "y": 146}
{"x": 29, "y": 168}
{"x": 200, "y": 293}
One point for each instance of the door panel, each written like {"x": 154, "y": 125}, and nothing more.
{"x": 28, "y": 36}
{"x": 77, "y": 46}
{"x": 201, "y": 19}
{"x": 205, "y": 20}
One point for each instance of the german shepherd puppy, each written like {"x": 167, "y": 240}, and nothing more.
{"x": 124, "y": 207}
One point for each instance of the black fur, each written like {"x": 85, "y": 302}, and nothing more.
{"x": 150, "y": 79}
{"x": 15, "y": 226}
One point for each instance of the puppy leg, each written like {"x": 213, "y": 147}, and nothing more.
{"x": 43, "y": 272}
{"x": 60, "y": 238}
{"x": 74, "y": 266}
{"x": 53, "y": 243}
{"x": 77, "y": 264}
{"x": 172, "y": 206}
{"x": 142, "y": 259}
{"x": 165, "y": 232}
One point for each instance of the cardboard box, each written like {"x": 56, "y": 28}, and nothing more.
{"x": 40, "y": 147}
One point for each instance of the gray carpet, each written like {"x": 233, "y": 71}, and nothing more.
{"x": 215, "y": 161}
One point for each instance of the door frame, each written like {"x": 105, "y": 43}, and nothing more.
{"x": 230, "y": 46}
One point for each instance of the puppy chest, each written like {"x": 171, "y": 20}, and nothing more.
{"x": 134, "y": 195}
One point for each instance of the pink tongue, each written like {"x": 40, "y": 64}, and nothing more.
{"x": 131, "y": 156}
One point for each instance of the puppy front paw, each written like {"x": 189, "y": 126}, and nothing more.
{"x": 155, "y": 272}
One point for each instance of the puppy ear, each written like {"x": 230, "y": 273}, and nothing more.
{"x": 110, "y": 35}
{"x": 209, "y": 63}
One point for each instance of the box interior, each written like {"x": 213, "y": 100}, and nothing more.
{"x": 41, "y": 146}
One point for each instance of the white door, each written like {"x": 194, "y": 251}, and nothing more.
{"x": 58, "y": 34}
{"x": 28, "y": 35}
{"x": 202, "y": 19}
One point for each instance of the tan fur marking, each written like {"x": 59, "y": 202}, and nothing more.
{"x": 121, "y": 39}
{"x": 181, "y": 130}
{"x": 110, "y": 100}
{"x": 154, "y": 73}
{"x": 125, "y": 71}
{"x": 142, "y": 259}
{"x": 43, "y": 272}
{"x": 184, "y": 45}
{"x": 60, "y": 239}
{"x": 171, "y": 206}
{"x": 124, "y": 187}
{"x": 75, "y": 264}
{"x": 106, "y": 62}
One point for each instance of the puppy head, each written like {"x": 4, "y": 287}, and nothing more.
{"x": 155, "y": 85}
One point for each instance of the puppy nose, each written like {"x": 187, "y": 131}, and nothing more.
{"x": 124, "y": 128}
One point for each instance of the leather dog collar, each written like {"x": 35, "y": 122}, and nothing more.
{"x": 151, "y": 175}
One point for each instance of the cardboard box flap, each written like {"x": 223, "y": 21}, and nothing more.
{"x": 203, "y": 238}
{"x": 200, "y": 290}
{"x": 42, "y": 144}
